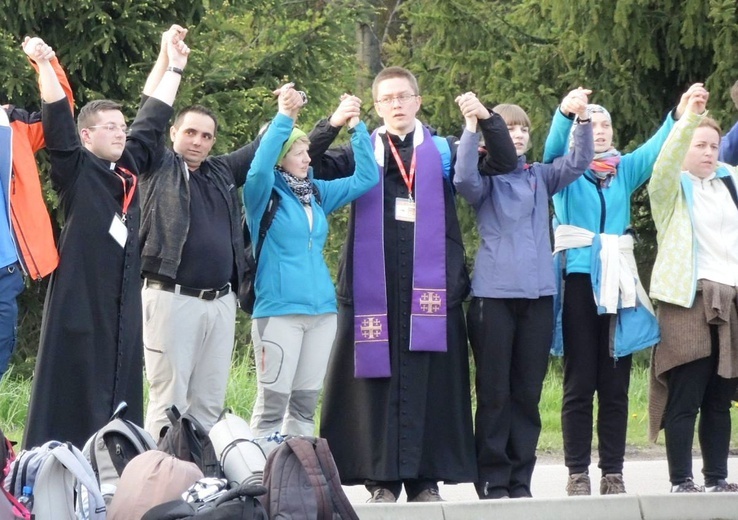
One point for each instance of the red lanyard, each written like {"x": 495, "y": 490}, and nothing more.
{"x": 127, "y": 192}
{"x": 408, "y": 178}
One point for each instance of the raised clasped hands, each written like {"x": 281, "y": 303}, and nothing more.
{"x": 173, "y": 44}
{"x": 575, "y": 102}
{"x": 472, "y": 109}
{"x": 289, "y": 100}
{"x": 348, "y": 111}
{"x": 37, "y": 50}
{"x": 697, "y": 100}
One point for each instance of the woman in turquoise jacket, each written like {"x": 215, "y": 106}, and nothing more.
{"x": 294, "y": 318}
{"x": 600, "y": 333}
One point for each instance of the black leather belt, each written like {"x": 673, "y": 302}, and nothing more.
{"x": 203, "y": 294}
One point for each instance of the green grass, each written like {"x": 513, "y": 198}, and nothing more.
{"x": 241, "y": 393}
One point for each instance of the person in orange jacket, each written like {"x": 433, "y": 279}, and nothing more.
{"x": 26, "y": 236}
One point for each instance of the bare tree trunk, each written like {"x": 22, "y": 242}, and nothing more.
{"x": 368, "y": 52}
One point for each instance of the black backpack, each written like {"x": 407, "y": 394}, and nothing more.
{"x": 188, "y": 440}
{"x": 236, "y": 504}
{"x": 302, "y": 482}
{"x": 112, "y": 447}
{"x": 246, "y": 291}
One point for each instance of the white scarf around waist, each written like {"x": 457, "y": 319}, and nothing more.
{"x": 619, "y": 282}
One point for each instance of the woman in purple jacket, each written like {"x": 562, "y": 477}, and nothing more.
{"x": 510, "y": 318}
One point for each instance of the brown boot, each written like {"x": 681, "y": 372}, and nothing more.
{"x": 578, "y": 485}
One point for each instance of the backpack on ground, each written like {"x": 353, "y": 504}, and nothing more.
{"x": 10, "y": 507}
{"x": 152, "y": 478}
{"x": 188, "y": 440}
{"x": 56, "y": 473}
{"x": 112, "y": 447}
{"x": 302, "y": 482}
{"x": 239, "y": 503}
{"x": 240, "y": 456}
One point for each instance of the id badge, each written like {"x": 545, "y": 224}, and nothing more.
{"x": 405, "y": 210}
{"x": 118, "y": 230}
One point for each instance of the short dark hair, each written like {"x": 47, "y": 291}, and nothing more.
{"x": 395, "y": 72}
{"x": 87, "y": 115}
{"x": 198, "y": 109}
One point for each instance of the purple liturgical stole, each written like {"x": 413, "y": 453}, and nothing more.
{"x": 428, "y": 313}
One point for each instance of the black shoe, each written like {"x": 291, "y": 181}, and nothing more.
{"x": 722, "y": 486}
{"x": 688, "y": 486}
{"x": 427, "y": 495}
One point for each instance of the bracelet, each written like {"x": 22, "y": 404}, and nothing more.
{"x": 580, "y": 121}
{"x": 176, "y": 70}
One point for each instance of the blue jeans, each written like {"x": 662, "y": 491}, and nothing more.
{"x": 11, "y": 285}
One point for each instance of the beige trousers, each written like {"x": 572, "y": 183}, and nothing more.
{"x": 188, "y": 344}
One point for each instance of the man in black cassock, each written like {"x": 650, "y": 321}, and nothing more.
{"x": 91, "y": 351}
{"x": 397, "y": 407}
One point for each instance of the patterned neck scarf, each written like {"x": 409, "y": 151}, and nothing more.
{"x": 302, "y": 188}
{"x": 604, "y": 166}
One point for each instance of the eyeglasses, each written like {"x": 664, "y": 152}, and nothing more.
{"x": 112, "y": 127}
{"x": 402, "y": 99}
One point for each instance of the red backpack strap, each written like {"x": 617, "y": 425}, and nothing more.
{"x": 18, "y": 509}
{"x": 341, "y": 503}
{"x": 305, "y": 451}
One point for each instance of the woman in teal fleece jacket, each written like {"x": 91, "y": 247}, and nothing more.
{"x": 294, "y": 318}
{"x": 600, "y": 333}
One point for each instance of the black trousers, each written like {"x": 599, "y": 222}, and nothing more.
{"x": 510, "y": 339}
{"x": 696, "y": 387}
{"x": 589, "y": 368}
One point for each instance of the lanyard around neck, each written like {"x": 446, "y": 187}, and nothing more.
{"x": 407, "y": 177}
{"x": 128, "y": 192}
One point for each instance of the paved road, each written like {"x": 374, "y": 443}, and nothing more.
{"x": 649, "y": 477}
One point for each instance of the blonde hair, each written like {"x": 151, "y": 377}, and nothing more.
{"x": 512, "y": 114}
{"x": 708, "y": 122}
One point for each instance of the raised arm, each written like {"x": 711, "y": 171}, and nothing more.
{"x": 663, "y": 189}
{"x": 337, "y": 162}
{"x": 501, "y": 156}
{"x": 42, "y": 54}
{"x": 35, "y": 132}
{"x": 557, "y": 141}
{"x": 59, "y": 129}
{"x": 260, "y": 178}
{"x": 565, "y": 170}
{"x": 338, "y": 192}
{"x": 467, "y": 180}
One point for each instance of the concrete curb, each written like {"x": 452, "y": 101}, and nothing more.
{"x": 621, "y": 507}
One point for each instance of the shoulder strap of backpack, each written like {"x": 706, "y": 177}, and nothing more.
{"x": 75, "y": 462}
{"x": 305, "y": 451}
{"x": 341, "y": 503}
{"x": 266, "y": 221}
{"x": 51, "y": 498}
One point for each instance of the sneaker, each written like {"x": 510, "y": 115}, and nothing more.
{"x": 428, "y": 495}
{"x": 722, "y": 486}
{"x": 688, "y": 486}
{"x": 578, "y": 485}
{"x": 612, "y": 484}
{"x": 382, "y": 496}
